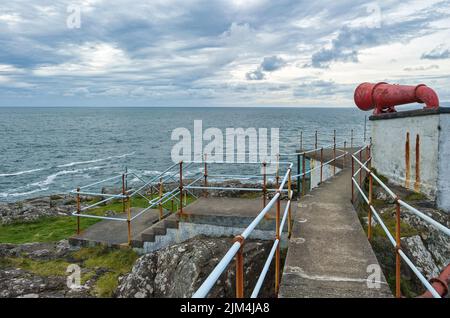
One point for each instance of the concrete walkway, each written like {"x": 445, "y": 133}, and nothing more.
{"x": 328, "y": 253}
{"x": 116, "y": 232}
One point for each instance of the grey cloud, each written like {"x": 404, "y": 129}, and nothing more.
{"x": 272, "y": 63}
{"x": 438, "y": 53}
{"x": 255, "y": 75}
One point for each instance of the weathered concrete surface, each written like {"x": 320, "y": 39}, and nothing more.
{"x": 328, "y": 254}
{"x": 116, "y": 232}
{"x": 230, "y": 207}
{"x": 389, "y": 153}
{"x": 328, "y": 154}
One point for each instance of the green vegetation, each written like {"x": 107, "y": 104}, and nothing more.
{"x": 116, "y": 261}
{"x": 42, "y": 268}
{"x": 415, "y": 196}
{"x": 47, "y": 229}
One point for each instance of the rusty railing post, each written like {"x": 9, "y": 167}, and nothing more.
{"x": 171, "y": 207}
{"x": 298, "y": 176}
{"x": 351, "y": 180}
{"x": 264, "y": 184}
{"x": 301, "y": 141}
{"x": 351, "y": 139}
{"x": 181, "y": 187}
{"x": 129, "y": 219}
{"x": 369, "y": 215}
{"x": 240, "y": 268}
{"x": 303, "y": 175}
{"x": 397, "y": 251}
{"x": 315, "y": 144}
{"x": 160, "y": 199}
{"x": 205, "y": 175}
{"x": 334, "y": 152}
{"x": 277, "y": 252}
{"x": 78, "y": 210}
{"x": 123, "y": 193}
{"x": 417, "y": 183}
{"x": 345, "y": 155}
{"x": 407, "y": 162}
{"x": 278, "y": 173}
{"x": 289, "y": 202}
{"x": 321, "y": 165}
{"x": 361, "y": 169}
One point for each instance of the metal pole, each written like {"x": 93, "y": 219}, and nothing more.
{"x": 343, "y": 158}
{"x": 365, "y": 127}
{"x": 301, "y": 141}
{"x": 264, "y": 184}
{"x": 160, "y": 199}
{"x": 407, "y": 162}
{"x": 205, "y": 176}
{"x": 298, "y": 177}
{"x": 277, "y": 175}
{"x": 351, "y": 139}
{"x": 304, "y": 175}
{"x": 123, "y": 193}
{"x": 334, "y": 152}
{"x": 181, "y": 187}
{"x": 277, "y": 252}
{"x": 397, "y": 251}
{"x": 240, "y": 268}
{"x": 351, "y": 180}
{"x": 369, "y": 216}
{"x": 321, "y": 165}
{"x": 360, "y": 171}
{"x": 289, "y": 199}
{"x": 129, "y": 220}
{"x": 78, "y": 210}
{"x": 315, "y": 145}
{"x": 417, "y": 183}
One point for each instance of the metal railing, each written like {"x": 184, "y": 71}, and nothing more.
{"x": 365, "y": 167}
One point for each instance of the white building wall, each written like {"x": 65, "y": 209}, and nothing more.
{"x": 389, "y": 153}
{"x": 443, "y": 195}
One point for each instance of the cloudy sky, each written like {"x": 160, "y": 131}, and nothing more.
{"x": 217, "y": 53}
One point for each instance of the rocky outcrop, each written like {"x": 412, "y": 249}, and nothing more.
{"x": 33, "y": 209}
{"x": 38, "y": 251}
{"x": 420, "y": 256}
{"x": 188, "y": 264}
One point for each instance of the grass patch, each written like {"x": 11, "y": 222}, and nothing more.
{"x": 106, "y": 285}
{"x": 41, "y": 268}
{"x": 48, "y": 229}
{"x": 415, "y": 196}
{"x": 116, "y": 261}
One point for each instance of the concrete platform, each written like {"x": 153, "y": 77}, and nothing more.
{"x": 236, "y": 207}
{"x": 328, "y": 252}
{"x": 116, "y": 232}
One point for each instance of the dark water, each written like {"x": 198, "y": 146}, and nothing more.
{"x": 49, "y": 150}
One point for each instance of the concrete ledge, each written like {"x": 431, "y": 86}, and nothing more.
{"x": 411, "y": 113}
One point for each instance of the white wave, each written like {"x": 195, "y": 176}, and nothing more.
{"x": 51, "y": 178}
{"x": 71, "y": 164}
{"x": 19, "y": 194}
{"x": 19, "y": 173}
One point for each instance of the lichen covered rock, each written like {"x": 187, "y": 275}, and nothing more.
{"x": 179, "y": 270}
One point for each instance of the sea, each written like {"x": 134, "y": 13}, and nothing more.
{"x": 54, "y": 150}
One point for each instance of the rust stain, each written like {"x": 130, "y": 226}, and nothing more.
{"x": 407, "y": 162}
{"x": 417, "y": 183}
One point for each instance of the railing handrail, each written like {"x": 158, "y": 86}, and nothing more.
{"x": 394, "y": 241}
